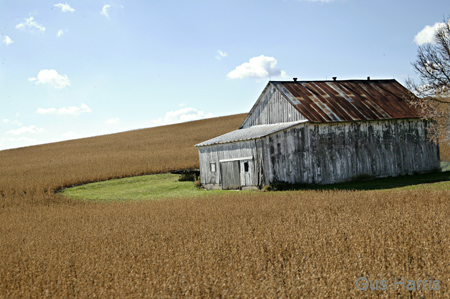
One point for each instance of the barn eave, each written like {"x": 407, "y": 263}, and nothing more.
{"x": 251, "y": 133}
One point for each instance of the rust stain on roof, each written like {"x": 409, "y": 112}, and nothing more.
{"x": 348, "y": 100}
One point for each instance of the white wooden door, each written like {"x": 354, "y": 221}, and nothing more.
{"x": 246, "y": 170}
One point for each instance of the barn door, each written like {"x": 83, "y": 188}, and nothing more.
{"x": 246, "y": 170}
{"x": 230, "y": 175}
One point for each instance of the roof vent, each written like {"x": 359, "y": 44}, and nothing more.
{"x": 368, "y": 78}
{"x": 334, "y": 78}
{"x": 295, "y": 79}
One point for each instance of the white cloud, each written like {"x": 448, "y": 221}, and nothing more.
{"x": 105, "y": 10}
{"x": 221, "y": 55}
{"x": 113, "y": 121}
{"x": 7, "y": 40}
{"x": 257, "y": 67}
{"x": 181, "y": 105}
{"x": 15, "y": 122}
{"x": 30, "y": 24}
{"x": 182, "y": 115}
{"x": 65, "y": 7}
{"x": 60, "y": 33}
{"x": 23, "y": 130}
{"x": 72, "y": 110}
{"x": 426, "y": 35}
{"x": 51, "y": 77}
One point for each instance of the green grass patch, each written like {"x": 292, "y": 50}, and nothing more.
{"x": 160, "y": 186}
{"x": 145, "y": 187}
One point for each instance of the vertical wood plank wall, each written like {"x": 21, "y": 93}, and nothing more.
{"x": 229, "y": 172}
{"x": 215, "y": 153}
{"x": 271, "y": 108}
{"x": 330, "y": 153}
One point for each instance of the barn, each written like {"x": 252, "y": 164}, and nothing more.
{"x": 321, "y": 132}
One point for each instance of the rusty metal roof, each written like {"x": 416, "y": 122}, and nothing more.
{"x": 348, "y": 100}
{"x": 250, "y": 133}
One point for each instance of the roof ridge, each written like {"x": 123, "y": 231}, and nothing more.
{"x": 277, "y": 124}
{"x": 331, "y": 80}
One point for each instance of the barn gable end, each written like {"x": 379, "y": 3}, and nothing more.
{"x": 271, "y": 107}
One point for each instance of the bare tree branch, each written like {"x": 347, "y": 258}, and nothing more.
{"x": 431, "y": 94}
{"x": 433, "y": 66}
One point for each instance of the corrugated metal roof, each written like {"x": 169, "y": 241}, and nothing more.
{"x": 348, "y": 100}
{"x": 253, "y": 132}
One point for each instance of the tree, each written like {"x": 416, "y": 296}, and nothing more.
{"x": 432, "y": 94}
{"x": 433, "y": 66}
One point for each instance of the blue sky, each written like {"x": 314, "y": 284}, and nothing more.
{"x": 84, "y": 68}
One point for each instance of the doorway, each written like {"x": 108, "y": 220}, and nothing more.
{"x": 230, "y": 175}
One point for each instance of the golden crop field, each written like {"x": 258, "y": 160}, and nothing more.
{"x": 310, "y": 244}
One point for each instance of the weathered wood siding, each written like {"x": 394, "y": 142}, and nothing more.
{"x": 235, "y": 150}
{"x": 286, "y": 155}
{"x": 330, "y": 153}
{"x": 229, "y": 172}
{"x": 271, "y": 108}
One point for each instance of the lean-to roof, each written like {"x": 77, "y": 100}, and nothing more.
{"x": 250, "y": 133}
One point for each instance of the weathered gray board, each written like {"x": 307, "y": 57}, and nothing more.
{"x": 246, "y": 171}
{"x": 219, "y": 152}
{"x": 271, "y": 108}
{"x": 230, "y": 175}
{"x": 328, "y": 153}
{"x": 331, "y": 153}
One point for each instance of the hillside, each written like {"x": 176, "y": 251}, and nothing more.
{"x": 28, "y": 173}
